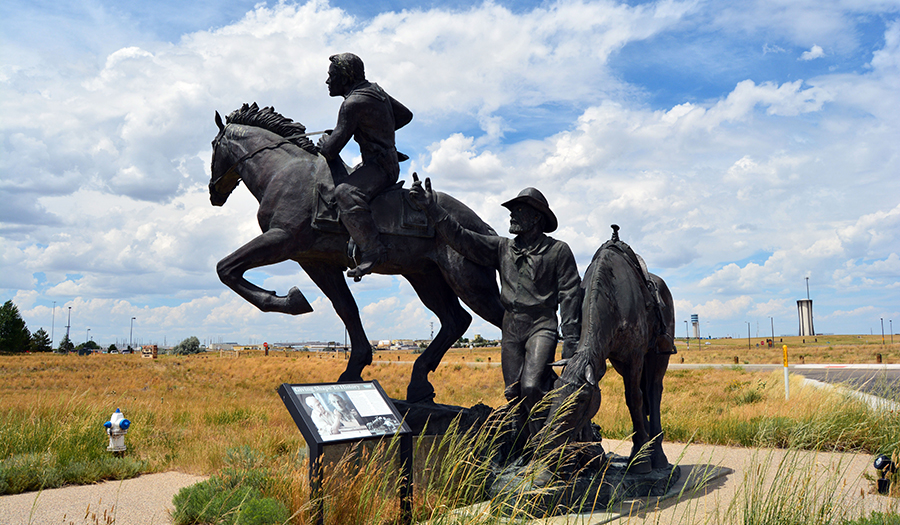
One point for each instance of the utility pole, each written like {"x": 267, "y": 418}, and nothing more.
{"x": 131, "y": 334}
{"x": 69, "y": 323}
{"x": 52, "y": 323}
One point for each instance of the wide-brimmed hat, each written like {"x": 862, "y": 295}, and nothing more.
{"x": 535, "y": 199}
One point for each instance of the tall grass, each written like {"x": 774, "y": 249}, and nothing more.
{"x": 739, "y": 408}
{"x": 187, "y": 413}
{"x": 792, "y": 489}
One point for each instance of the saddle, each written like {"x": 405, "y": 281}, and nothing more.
{"x": 655, "y": 301}
{"x": 392, "y": 209}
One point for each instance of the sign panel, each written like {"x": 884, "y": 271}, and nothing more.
{"x": 342, "y": 411}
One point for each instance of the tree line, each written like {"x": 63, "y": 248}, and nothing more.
{"x": 15, "y": 336}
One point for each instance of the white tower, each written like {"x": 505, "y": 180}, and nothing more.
{"x": 804, "y": 309}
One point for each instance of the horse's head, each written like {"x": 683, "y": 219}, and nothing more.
{"x": 223, "y": 176}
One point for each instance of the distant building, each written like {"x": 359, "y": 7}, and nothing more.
{"x": 804, "y": 310}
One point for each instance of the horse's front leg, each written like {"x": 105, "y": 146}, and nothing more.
{"x": 271, "y": 247}
{"x": 330, "y": 279}
{"x": 438, "y": 297}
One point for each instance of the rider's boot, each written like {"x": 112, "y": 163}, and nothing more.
{"x": 361, "y": 225}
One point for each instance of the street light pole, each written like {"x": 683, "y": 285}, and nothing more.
{"x": 772, "y": 320}
{"x": 69, "y": 323}
{"x": 687, "y": 335}
{"x": 748, "y": 335}
{"x": 131, "y": 334}
{"x": 882, "y": 331}
{"x": 87, "y": 336}
{"x": 52, "y": 324}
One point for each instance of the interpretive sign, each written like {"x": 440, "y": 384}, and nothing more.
{"x": 334, "y": 413}
{"x": 342, "y": 411}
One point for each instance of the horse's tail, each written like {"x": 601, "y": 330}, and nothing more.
{"x": 665, "y": 315}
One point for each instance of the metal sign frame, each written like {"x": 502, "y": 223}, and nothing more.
{"x": 338, "y": 413}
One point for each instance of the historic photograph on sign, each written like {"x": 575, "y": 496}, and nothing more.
{"x": 347, "y": 410}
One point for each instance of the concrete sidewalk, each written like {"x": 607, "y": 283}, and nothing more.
{"x": 142, "y": 500}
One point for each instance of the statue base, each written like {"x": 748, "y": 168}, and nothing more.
{"x": 519, "y": 487}
{"x": 521, "y": 490}
{"x": 432, "y": 419}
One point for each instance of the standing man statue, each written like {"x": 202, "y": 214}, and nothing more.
{"x": 538, "y": 274}
{"x": 370, "y": 116}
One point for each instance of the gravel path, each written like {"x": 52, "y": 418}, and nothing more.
{"x": 142, "y": 500}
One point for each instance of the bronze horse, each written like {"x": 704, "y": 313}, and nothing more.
{"x": 624, "y": 321}
{"x": 282, "y": 169}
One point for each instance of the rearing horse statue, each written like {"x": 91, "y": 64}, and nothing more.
{"x": 282, "y": 169}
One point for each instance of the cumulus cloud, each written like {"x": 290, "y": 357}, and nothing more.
{"x": 733, "y": 196}
{"x": 813, "y": 53}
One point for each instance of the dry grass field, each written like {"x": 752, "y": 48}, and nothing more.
{"x": 192, "y": 413}
{"x": 820, "y": 349}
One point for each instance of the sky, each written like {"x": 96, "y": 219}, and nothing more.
{"x": 745, "y": 149}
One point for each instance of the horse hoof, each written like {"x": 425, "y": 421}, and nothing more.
{"x": 641, "y": 466}
{"x": 296, "y": 303}
{"x": 419, "y": 392}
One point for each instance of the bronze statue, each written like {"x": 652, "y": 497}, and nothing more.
{"x": 538, "y": 274}
{"x": 370, "y": 116}
{"x": 293, "y": 184}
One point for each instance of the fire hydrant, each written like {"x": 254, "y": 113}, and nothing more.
{"x": 116, "y": 428}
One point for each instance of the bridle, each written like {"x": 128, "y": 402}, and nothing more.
{"x": 232, "y": 174}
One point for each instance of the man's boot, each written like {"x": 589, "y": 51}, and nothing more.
{"x": 361, "y": 225}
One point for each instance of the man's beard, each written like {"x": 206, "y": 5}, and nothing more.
{"x": 517, "y": 228}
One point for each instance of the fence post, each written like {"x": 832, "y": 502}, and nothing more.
{"x": 787, "y": 385}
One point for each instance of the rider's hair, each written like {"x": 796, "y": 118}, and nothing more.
{"x": 350, "y": 66}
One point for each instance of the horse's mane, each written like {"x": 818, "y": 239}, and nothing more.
{"x": 269, "y": 119}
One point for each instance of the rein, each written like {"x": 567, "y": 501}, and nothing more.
{"x": 232, "y": 171}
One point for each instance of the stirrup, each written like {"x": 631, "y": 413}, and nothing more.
{"x": 367, "y": 265}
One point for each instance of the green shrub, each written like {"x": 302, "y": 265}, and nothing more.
{"x": 263, "y": 511}
{"x": 233, "y": 496}
{"x": 27, "y": 472}
{"x": 191, "y": 502}
{"x": 877, "y": 518}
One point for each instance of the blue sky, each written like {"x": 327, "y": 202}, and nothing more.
{"x": 742, "y": 148}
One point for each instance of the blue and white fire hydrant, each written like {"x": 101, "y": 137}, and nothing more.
{"x": 116, "y": 428}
